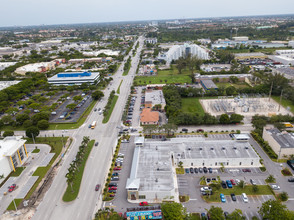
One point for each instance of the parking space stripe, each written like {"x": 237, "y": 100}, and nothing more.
{"x": 246, "y": 215}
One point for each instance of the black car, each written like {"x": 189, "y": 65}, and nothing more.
{"x": 112, "y": 184}
{"x": 208, "y": 180}
{"x": 96, "y": 144}
{"x": 195, "y": 170}
{"x": 112, "y": 191}
{"x": 115, "y": 178}
{"x": 233, "y": 196}
{"x": 68, "y": 118}
{"x": 200, "y": 170}
{"x": 210, "y": 170}
{"x": 205, "y": 170}
{"x": 184, "y": 129}
{"x": 191, "y": 170}
{"x": 226, "y": 214}
{"x": 115, "y": 174}
{"x": 224, "y": 185}
{"x": 291, "y": 180}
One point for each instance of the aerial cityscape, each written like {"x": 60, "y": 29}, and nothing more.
{"x": 136, "y": 117}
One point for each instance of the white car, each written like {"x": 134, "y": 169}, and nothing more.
{"x": 237, "y": 181}
{"x": 275, "y": 187}
{"x": 205, "y": 188}
{"x": 125, "y": 141}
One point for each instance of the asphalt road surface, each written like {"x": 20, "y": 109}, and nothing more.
{"x": 89, "y": 201}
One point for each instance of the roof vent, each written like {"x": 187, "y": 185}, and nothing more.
{"x": 211, "y": 148}
{"x": 223, "y": 148}
{"x": 200, "y": 148}
{"x": 246, "y": 148}
{"x": 234, "y": 148}
{"x": 189, "y": 148}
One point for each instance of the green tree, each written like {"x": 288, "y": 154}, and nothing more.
{"x": 77, "y": 98}
{"x": 234, "y": 79}
{"x": 270, "y": 179}
{"x": 97, "y": 95}
{"x": 273, "y": 209}
{"x": 236, "y": 118}
{"x": 224, "y": 119}
{"x": 43, "y": 124}
{"x": 216, "y": 213}
{"x": 71, "y": 106}
{"x": 40, "y": 116}
{"x": 173, "y": 211}
{"x": 7, "y": 119}
{"x": 241, "y": 184}
{"x": 231, "y": 90}
{"x": 236, "y": 215}
{"x": 21, "y": 118}
{"x": 32, "y": 131}
{"x": 27, "y": 123}
{"x": 70, "y": 177}
{"x": 255, "y": 188}
{"x": 181, "y": 64}
{"x": 283, "y": 196}
{"x": 8, "y": 133}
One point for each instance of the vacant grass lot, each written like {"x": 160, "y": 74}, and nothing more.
{"x": 285, "y": 103}
{"x": 192, "y": 105}
{"x": 239, "y": 85}
{"x": 165, "y": 76}
{"x": 69, "y": 195}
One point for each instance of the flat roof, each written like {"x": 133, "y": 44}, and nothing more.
{"x": 209, "y": 84}
{"x": 93, "y": 76}
{"x": 6, "y": 84}
{"x": 155, "y": 97}
{"x": 284, "y": 139}
{"x": 9, "y": 145}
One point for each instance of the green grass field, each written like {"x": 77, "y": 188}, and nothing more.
{"x": 165, "y": 76}
{"x": 285, "y": 103}
{"x": 36, "y": 150}
{"x": 107, "y": 117}
{"x": 239, "y": 85}
{"x": 192, "y": 105}
{"x": 69, "y": 195}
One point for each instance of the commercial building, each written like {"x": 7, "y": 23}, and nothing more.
{"x": 281, "y": 142}
{"x": 208, "y": 84}
{"x": 215, "y": 67}
{"x": 153, "y": 175}
{"x": 177, "y": 51}
{"x": 36, "y": 67}
{"x": 151, "y": 40}
{"x": 244, "y": 56}
{"x": 78, "y": 78}
{"x": 6, "y": 84}
{"x": 95, "y": 60}
{"x": 241, "y": 38}
{"x": 13, "y": 153}
{"x": 148, "y": 117}
{"x": 154, "y": 97}
{"x": 222, "y": 77}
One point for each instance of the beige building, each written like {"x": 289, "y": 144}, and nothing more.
{"x": 281, "y": 142}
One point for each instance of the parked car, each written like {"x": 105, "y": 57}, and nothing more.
{"x": 97, "y": 187}
{"x": 203, "y": 215}
{"x": 208, "y": 180}
{"x": 291, "y": 179}
{"x": 252, "y": 182}
{"x": 195, "y": 170}
{"x": 229, "y": 184}
{"x": 184, "y": 129}
{"x": 222, "y": 197}
{"x": 275, "y": 187}
{"x": 200, "y": 170}
{"x": 89, "y": 126}
{"x": 224, "y": 185}
{"x": 237, "y": 181}
{"x": 191, "y": 170}
{"x": 143, "y": 203}
{"x": 246, "y": 170}
{"x": 95, "y": 109}
{"x": 210, "y": 170}
{"x": 233, "y": 196}
{"x": 111, "y": 195}
{"x": 112, "y": 184}
{"x": 112, "y": 191}
{"x": 115, "y": 174}
{"x": 200, "y": 130}
{"x": 226, "y": 214}
{"x": 114, "y": 178}
{"x": 244, "y": 197}
{"x": 116, "y": 168}
{"x": 112, "y": 188}
{"x": 187, "y": 170}
{"x": 233, "y": 182}
{"x": 205, "y": 188}
{"x": 205, "y": 170}
{"x": 125, "y": 141}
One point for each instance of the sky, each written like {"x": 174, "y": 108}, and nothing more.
{"x": 46, "y": 12}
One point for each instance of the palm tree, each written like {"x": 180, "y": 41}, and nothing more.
{"x": 86, "y": 140}
{"x": 70, "y": 177}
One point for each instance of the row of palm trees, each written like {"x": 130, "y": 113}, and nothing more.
{"x": 165, "y": 128}
{"x": 74, "y": 167}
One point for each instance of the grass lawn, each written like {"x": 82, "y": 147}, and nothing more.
{"x": 165, "y": 76}
{"x": 11, "y": 205}
{"x": 192, "y": 105}
{"x": 248, "y": 189}
{"x": 56, "y": 147}
{"x": 285, "y": 103}
{"x": 239, "y": 85}
{"x": 36, "y": 150}
{"x": 69, "y": 195}
{"x": 118, "y": 89}
{"x": 18, "y": 171}
{"x": 82, "y": 119}
{"x": 107, "y": 117}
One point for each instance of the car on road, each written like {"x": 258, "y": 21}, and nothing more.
{"x": 246, "y": 170}
{"x": 200, "y": 130}
{"x": 95, "y": 109}
{"x": 195, "y": 170}
{"x": 229, "y": 184}
{"x": 184, "y": 129}
{"x": 126, "y": 129}
{"x": 191, "y": 170}
{"x": 96, "y": 144}
{"x": 187, "y": 170}
{"x": 11, "y": 188}
{"x": 252, "y": 182}
{"x": 97, "y": 187}
{"x": 89, "y": 126}
{"x": 143, "y": 203}
{"x": 291, "y": 179}
{"x": 233, "y": 196}
{"x": 224, "y": 185}
{"x": 116, "y": 168}
{"x": 222, "y": 197}
{"x": 233, "y": 182}
{"x": 275, "y": 187}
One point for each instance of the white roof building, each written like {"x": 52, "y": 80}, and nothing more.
{"x": 35, "y": 67}
{"x": 74, "y": 78}
{"x": 4, "y": 65}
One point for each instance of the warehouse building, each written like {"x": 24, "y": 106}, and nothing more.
{"x": 153, "y": 175}
{"x": 222, "y": 77}
{"x": 208, "y": 84}
{"x": 281, "y": 142}
{"x": 13, "y": 153}
{"x": 77, "y": 78}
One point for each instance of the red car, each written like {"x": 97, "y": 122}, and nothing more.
{"x": 11, "y": 188}
{"x": 143, "y": 203}
{"x": 97, "y": 187}
{"x": 233, "y": 182}
{"x": 112, "y": 188}
{"x": 116, "y": 168}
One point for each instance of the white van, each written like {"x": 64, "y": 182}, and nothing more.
{"x": 244, "y": 197}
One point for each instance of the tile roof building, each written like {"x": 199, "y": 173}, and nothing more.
{"x": 149, "y": 117}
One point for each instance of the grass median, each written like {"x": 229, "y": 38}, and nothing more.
{"x": 118, "y": 89}
{"x": 109, "y": 112}
{"x": 70, "y": 195}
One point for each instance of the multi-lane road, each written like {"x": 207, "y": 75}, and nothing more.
{"x": 89, "y": 201}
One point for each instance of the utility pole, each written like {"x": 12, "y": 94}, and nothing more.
{"x": 281, "y": 99}
{"x": 270, "y": 93}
